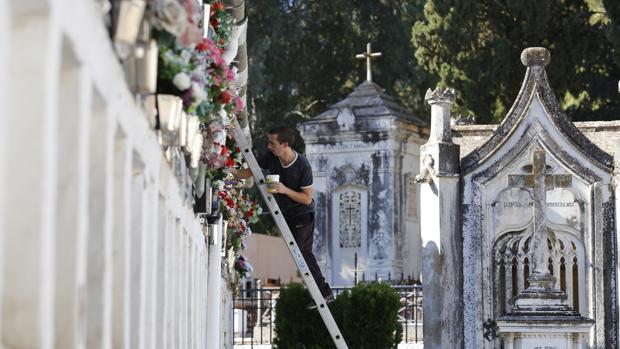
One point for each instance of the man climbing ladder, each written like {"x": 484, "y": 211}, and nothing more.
{"x": 292, "y": 210}
{"x": 293, "y": 194}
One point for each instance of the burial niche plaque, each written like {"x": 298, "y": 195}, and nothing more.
{"x": 512, "y": 209}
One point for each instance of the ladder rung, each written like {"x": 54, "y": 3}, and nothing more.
{"x": 274, "y": 209}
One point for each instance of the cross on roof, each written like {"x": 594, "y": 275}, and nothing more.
{"x": 368, "y": 55}
{"x": 539, "y": 181}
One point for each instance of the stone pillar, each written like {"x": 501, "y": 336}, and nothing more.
{"x": 5, "y": 26}
{"x": 616, "y": 186}
{"x": 442, "y": 272}
{"x": 215, "y": 286}
{"x": 30, "y": 121}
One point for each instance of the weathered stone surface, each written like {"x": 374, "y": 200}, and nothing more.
{"x": 604, "y": 134}
{"x": 505, "y": 277}
{"x": 361, "y": 150}
{"x": 440, "y": 230}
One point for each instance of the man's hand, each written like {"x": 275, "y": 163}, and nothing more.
{"x": 278, "y": 188}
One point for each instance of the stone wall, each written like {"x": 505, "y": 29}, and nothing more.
{"x": 99, "y": 246}
{"x": 605, "y": 134}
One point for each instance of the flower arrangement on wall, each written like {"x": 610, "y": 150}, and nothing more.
{"x": 191, "y": 69}
{"x": 242, "y": 266}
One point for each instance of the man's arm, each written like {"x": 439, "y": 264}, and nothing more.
{"x": 303, "y": 197}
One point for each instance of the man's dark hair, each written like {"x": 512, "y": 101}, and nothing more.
{"x": 285, "y": 134}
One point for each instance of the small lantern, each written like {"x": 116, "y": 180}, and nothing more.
{"x": 129, "y": 19}
{"x": 183, "y": 130}
{"x": 196, "y": 150}
{"x": 193, "y": 127}
{"x": 169, "y": 108}
{"x": 206, "y": 14}
{"x": 150, "y": 109}
{"x": 141, "y": 68}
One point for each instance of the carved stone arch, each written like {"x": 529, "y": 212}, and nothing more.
{"x": 510, "y": 266}
{"x": 558, "y": 159}
{"x": 536, "y": 86}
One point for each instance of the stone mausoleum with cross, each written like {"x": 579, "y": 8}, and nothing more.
{"x": 511, "y": 227}
{"x": 364, "y": 154}
{"x": 518, "y": 226}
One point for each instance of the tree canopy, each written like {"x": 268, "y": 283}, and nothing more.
{"x": 474, "y": 46}
{"x": 302, "y": 54}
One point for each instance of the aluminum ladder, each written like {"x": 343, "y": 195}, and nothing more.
{"x": 326, "y": 315}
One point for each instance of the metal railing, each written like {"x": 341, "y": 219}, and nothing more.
{"x": 254, "y": 313}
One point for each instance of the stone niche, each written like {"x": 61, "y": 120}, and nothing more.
{"x": 538, "y": 237}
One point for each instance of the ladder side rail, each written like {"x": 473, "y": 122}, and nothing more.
{"x": 274, "y": 209}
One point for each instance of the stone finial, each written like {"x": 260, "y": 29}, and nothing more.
{"x": 535, "y": 56}
{"x": 437, "y": 96}
{"x": 441, "y": 104}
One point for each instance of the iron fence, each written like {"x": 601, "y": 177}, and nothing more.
{"x": 254, "y": 313}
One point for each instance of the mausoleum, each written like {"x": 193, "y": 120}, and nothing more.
{"x": 364, "y": 153}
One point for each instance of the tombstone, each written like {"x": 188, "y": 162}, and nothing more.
{"x": 364, "y": 154}
{"x": 539, "y": 242}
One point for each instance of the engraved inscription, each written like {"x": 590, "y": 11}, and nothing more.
{"x": 510, "y": 204}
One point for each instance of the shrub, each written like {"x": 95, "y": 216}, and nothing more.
{"x": 367, "y": 317}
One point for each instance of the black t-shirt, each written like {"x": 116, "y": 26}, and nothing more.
{"x": 295, "y": 176}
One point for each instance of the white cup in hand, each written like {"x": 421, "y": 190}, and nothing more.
{"x": 271, "y": 179}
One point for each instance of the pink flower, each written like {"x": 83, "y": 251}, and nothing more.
{"x": 192, "y": 9}
{"x": 238, "y": 105}
{"x": 217, "y": 80}
{"x": 230, "y": 76}
{"x": 217, "y": 58}
{"x": 191, "y": 36}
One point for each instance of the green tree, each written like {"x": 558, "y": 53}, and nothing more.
{"x": 474, "y": 46}
{"x": 302, "y": 56}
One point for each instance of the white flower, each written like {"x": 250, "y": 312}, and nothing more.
{"x": 186, "y": 56}
{"x": 182, "y": 81}
{"x": 169, "y": 56}
{"x": 198, "y": 92}
{"x": 219, "y": 137}
{"x": 171, "y": 16}
{"x": 199, "y": 72}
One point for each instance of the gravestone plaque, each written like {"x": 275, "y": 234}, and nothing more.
{"x": 512, "y": 209}
{"x": 563, "y": 207}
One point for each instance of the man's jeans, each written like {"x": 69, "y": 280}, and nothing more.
{"x": 302, "y": 227}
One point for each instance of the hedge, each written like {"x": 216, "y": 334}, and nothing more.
{"x": 366, "y": 316}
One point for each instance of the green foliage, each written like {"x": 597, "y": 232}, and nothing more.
{"x": 474, "y": 46}
{"x": 295, "y": 326}
{"x": 302, "y": 57}
{"x": 366, "y": 316}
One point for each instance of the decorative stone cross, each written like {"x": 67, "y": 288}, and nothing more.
{"x": 368, "y": 55}
{"x": 539, "y": 182}
{"x": 350, "y": 208}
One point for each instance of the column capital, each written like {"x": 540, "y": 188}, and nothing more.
{"x": 441, "y": 101}
{"x": 438, "y": 95}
